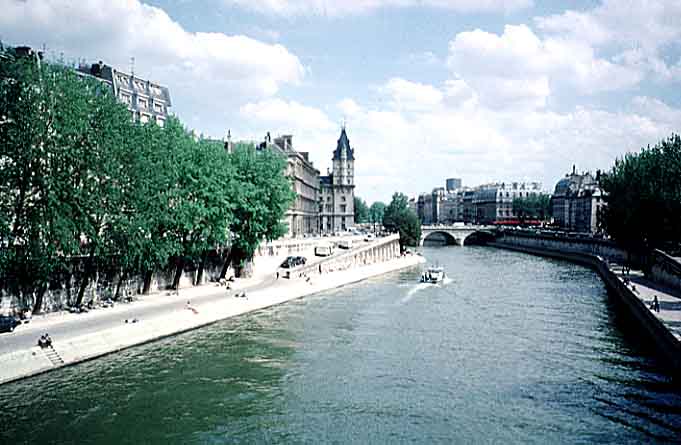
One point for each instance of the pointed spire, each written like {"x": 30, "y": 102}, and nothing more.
{"x": 343, "y": 145}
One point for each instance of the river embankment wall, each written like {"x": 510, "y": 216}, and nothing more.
{"x": 598, "y": 255}
{"x": 107, "y": 283}
{"x": 376, "y": 258}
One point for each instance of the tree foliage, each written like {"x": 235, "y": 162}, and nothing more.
{"x": 399, "y": 218}
{"x": 81, "y": 183}
{"x": 261, "y": 198}
{"x": 532, "y": 207}
{"x": 643, "y": 196}
{"x": 361, "y": 211}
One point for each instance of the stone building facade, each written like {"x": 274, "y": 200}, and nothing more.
{"x": 576, "y": 203}
{"x": 494, "y": 202}
{"x": 337, "y": 189}
{"x": 302, "y": 217}
{"x": 146, "y": 100}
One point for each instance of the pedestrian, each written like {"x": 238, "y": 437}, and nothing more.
{"x": 277, "y": 275}
{"x": 656, "y": 304}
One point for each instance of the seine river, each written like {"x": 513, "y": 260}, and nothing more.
{"x": 511, "y": 349}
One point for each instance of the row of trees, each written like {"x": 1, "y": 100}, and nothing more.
{"x": 80, "y": 183}
{"x": 365, "y": 214}
{"x": 643, "y": 196}
{"x": 396, "y": 217}
{"x": 532, "y": 207}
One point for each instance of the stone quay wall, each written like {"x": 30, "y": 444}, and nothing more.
{"x": 667, "y": 345}
{"x": 665, "y": 270}
{"x": 378, "y": 251}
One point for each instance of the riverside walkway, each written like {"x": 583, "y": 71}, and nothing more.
{"x": 646, "y": 290}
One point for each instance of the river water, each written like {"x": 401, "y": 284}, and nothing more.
{"x": 511, "y": 349}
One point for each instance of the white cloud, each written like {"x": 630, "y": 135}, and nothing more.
{"x": 283, "y": 116}
{"x": 641, "y": 30}
{"x": 411, "y": 96}
{"x": 352, "y": 7}
{"x": 349, "y": 108}
{"x": 520, "y": 69}
{"x": 208, "y": 72}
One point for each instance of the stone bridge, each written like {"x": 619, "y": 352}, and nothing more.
{"x": 459, "y": 235}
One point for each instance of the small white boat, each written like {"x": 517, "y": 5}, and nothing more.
{"x": 433, "y": 275}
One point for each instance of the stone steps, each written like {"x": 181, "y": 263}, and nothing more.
{"x": 53, "y": 356}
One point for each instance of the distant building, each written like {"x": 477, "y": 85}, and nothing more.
{"x": 452, "y": 208}
{"x": 452, "y": 184}
{"x": 429, "y": 206}
{"x": 337, "y": 189}
{"x": 577, "y": 202}
{"x": 146, "y": 100}
{"x": 302, "y": 217}
{"x": 494, "y": 202}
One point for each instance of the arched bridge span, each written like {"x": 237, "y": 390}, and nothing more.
{"x": 458, "y": 235}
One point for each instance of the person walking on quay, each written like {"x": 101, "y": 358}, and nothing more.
{"x": 656, "y": 304}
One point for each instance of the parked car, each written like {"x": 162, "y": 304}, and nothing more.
{"x": 293, "y": 261}
{"x": 345, "y": 244}
{"x": 323, "y": 249}
{"x": 7, "y": 324}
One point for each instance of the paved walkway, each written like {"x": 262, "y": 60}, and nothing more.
{"x": 669, "y": 298}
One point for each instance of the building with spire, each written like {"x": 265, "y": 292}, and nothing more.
{"x": 337, "y": 189}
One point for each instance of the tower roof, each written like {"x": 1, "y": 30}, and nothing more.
{"x": 343, "y": 145}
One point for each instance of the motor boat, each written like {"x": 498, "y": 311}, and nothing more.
{"x": 433, "y": 275}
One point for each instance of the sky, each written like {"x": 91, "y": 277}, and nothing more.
{"x": 483, "y": 90}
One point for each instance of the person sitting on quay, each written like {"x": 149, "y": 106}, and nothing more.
{"x": 655, "y": 305}
{"x": 45, "y": 341}
{"x": 191, "y": 308}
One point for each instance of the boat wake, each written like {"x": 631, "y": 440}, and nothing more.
{"x": 447, "y": 280}
{"x": 413, "y": 291}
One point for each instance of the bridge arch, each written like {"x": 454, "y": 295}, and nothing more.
{"x": 450, "y": 239}
{"x": 477, "y": 238}
{"x": 459, "y": 235}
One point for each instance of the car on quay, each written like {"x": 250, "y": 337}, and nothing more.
{"x": 7, "y": 323}
{"x": 293, "y": 261}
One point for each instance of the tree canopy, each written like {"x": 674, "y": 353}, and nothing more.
{"x": 399, "y": 218}
{"x": 532, "y": 207}
{"x": 79, "y": 180}
{"x": 376, "y": 212}
{"x": 361, "y": 211}
{"x": 643, "y": 196}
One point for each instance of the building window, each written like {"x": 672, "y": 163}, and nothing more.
{"x": 144, "y": 118}
{"x": 160, "y": 121}
{"x": 158, "y": 107}
{"x": 343, "y": 208}
{"x": 142, "y": 103}
{"x": 343, "y": 198}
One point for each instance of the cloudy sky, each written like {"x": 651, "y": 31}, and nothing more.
{"x": 484, "y": 90}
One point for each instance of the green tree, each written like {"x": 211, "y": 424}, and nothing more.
{"x": 28, "y": 251}
{"x": 376, "y": 212}
{"x": 398, "y": 217}
{"x": 643, "y": 196}
{"x": 92, "y": 180}
{"x": 261, "y": 197}
{"x": 532, "y": 207}
{"x": 361, "y": 211}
